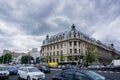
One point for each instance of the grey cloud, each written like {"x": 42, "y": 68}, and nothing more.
{"x": 39, "y": 17}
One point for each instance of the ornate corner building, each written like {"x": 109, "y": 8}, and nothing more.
{"x": 70, "y": 46}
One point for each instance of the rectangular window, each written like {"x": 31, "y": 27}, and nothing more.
{"x": 57, "y": 46}
{"x": 79, "y": 50}
{"x": 70, "y": 50}
{"x": 79, "y": 44}
{"x": 75, "y": 50}
{"x": 57, "y": 53}
{"x": 70, "y": 43}
{"x": 50, "y": 47}
{"x": 45, "y": 54}
{"x": 54, "y": 46}
{"x": 61, "y": 45}
{"x": 53, "y": 53}
{"x": 75, "y": 43}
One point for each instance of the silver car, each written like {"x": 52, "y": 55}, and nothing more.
{"x": 30, "y": 73}
{"x": 4, "y": 73}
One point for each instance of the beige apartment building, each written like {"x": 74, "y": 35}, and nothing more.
{"x": 70, "y": 46}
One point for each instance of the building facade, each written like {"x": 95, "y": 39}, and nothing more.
{"x": 16, "y": 56}
{"x": 70, "y": 46}
{"x": 35, "y": 54}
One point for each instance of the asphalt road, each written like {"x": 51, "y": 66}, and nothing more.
{"x": 111, "y": 74}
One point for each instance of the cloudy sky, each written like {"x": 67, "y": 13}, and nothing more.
{"x": 25, "y": 23}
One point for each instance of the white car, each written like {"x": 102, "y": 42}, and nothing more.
{"x": 30, "y": 73}
{"x": 4, "y": 73}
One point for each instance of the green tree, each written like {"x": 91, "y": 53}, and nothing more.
{"x": 26, "y": 59}
{"x": 50, "y": 58}
{"x": 91, "y": 55}
{"x": 6, "y": 58}
{"x": 61, "y": 57}
{"x": 117, "y": 57}
{"x": 1, "y": 59}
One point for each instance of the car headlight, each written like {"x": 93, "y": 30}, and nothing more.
{"x": 43, "y": 75}
{"x": 8, "y": 73}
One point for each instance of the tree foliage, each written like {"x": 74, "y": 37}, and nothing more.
{"x": 61, "y": 57}
{"x": 91, "y": 55}
{"x": 26, "y": 59}
{"x": 50, "y": 58}
{"x": 117, "y": 57}
{"x": 6, "y": 58}
{"x": 1, "y": 59}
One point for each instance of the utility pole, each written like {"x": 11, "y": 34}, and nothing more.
{"x": 3, "y": 59}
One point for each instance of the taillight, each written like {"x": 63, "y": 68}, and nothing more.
{"x": 53, "y": 77}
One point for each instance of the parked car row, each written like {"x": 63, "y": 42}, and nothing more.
{"x": 44, "y": 69}
{"x": 69, "y": 72}
{"x": 96, "y": 67}
{"x": 113, "y": 66}
{"x": 104, "y": 68}
{"x": 13, "y": 70}
{"x": 69, "y": 67}
{"x": 29, "y": 72}
{"x": 81, "y": 74}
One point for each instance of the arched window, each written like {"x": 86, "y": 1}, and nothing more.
{"x": 78, "y": 34}
{"x": 74, "y": 34}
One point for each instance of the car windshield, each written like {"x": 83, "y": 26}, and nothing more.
{"x": 12, "y": 67}
{"x": 3, "y": 68}
{"x": 33, "y": 70}
{"x": 95, "y": 76}
{"x": 93, "y": 66}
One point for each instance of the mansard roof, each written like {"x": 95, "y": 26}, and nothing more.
{"x": 73, "y": 32}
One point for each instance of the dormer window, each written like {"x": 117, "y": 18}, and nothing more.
{"x": 75, "y": 43}
{"x": 74, "y": 34}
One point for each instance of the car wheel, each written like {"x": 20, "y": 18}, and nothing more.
{"x": 19, "y": 78}
{"x": 28, "y": 78}
{"x": 7, "y": 78}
